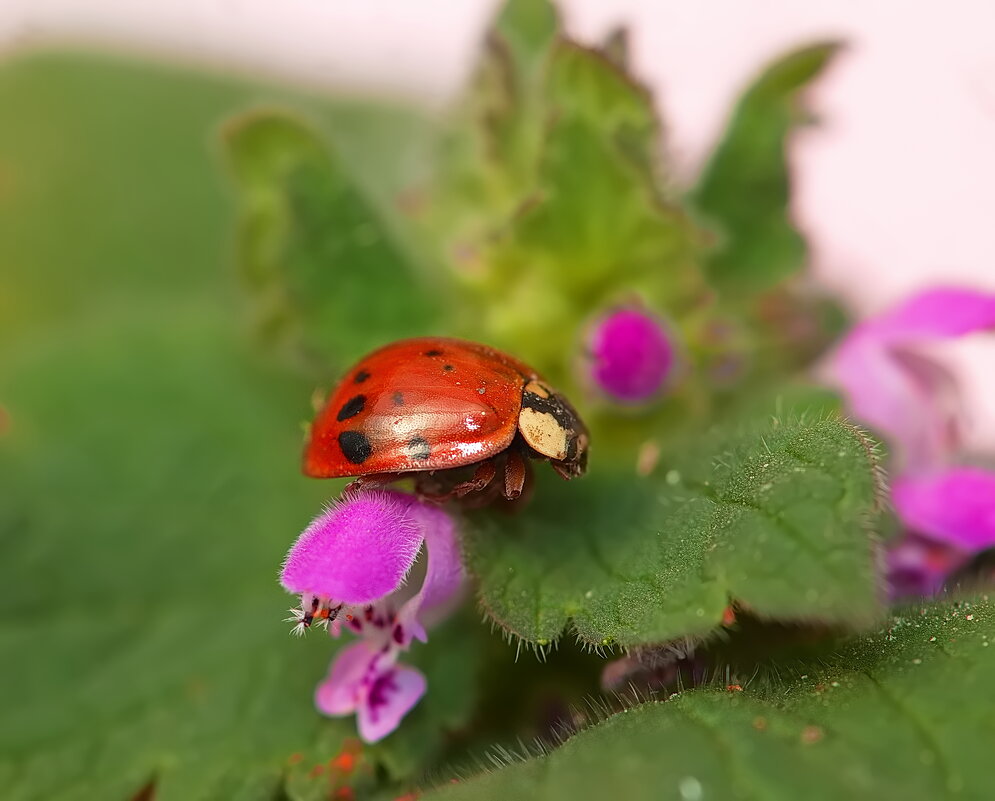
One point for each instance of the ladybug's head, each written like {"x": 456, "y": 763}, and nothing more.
{"x": 314, "y": 609}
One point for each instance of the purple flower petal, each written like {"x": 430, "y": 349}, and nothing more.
{"x": 390, "y": 697}
{"x": 955, "y": 507}
{"x": 899, "y": 392}
{"x": 444, "y": 573}
{"x": 918, "y": 567}
{"x": 935, "y": 314}
{"x": 343, "y": 690}
{"x": 632, "y": 355}
{"x": 357, "y": 551}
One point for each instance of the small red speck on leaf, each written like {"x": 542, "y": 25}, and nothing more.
{"x": 344, "y": 794}
{"x": 316, "y": 771}
{"x": 734, "y": 688}
{"x": 760, "y": 723}
{"x": 811, "y": 734}
{"x": 345, "y": 760}
{"x": 728, "y": 616}
{"x": 295, "y": 759}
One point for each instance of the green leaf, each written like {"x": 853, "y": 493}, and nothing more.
{"x": 903, "y": 714}
{"x": 774, "y": 519}
{"x": 150, "y": 470}
{"x": 325, "y": 272}
{"x": 744, "y": 191}
{"x": 588, "y": 236}
{"x": 586, "y": 84}
{"x": 485, "y": 162}
{"x": 528, "y": 27}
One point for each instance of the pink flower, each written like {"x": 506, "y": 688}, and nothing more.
{"x": 950, "y": 516}
{"x": 368, "y": 682}
{"x": 632, "y": 355}
{"x": 895, "y": 388}
{"x": 349, "y": 567}
{"x": 948, "y": 511}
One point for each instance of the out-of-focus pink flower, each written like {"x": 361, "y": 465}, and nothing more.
{"x": 349, "y": 567}
{"x": 631, "y": 355}
{"x": 950, "y": 516}
{"x": 948, "y": 512}
{"x": 918, "y": 567}
{"x": 901, "y": 392}
{"x": 955, "y": 506}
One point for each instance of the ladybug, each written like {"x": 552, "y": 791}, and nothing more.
{"x": 425, "y": 407}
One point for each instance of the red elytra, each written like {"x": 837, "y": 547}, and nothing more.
{"x": 427, "y": 405}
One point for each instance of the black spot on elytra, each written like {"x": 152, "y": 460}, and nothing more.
{"x": 433, "y": 352}
{"x": 351, "y": 408}
{"x": 418, "y": 448}
{"x": 448, "y": 368}
{"x": 361, "y": 376}
{"x": 355, "y": 446}
{"x": 398, "y": 399}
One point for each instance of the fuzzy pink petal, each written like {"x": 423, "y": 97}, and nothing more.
{"x": 357, "y": 551}
{"x": 340, "y": 693}
{"x": 955, "y": 507}
{"x": 898, "y": 393}
{"x": 632, "y": 355}
{"x": 391, "y": 696}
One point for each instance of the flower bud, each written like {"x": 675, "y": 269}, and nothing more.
{"x": 631, "y": 355}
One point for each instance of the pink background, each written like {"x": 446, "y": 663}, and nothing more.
{"x": 896, "y": 189}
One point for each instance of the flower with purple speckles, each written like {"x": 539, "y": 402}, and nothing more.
{"x": 948, "y": 511}
{"x": 632, "y": 355}
{"x": 367, "y": 681}
{"x": 349, "y": 568}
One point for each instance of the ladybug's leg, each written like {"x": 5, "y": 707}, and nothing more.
{"x": 372, "y": 481}
{"x": 516, "y": 470}
{"x": 485, "y": 473}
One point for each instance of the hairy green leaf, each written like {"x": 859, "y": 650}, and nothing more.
{"x": 323, "y": 268}
{"x": 744, "y": 190}
{"x": 902, "y": 714}
{"x": 775, "y": 519}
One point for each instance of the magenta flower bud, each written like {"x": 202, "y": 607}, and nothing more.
{"x": 632, "y": 355}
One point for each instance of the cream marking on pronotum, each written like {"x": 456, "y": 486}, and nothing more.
{"x": 546, "y": 423}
